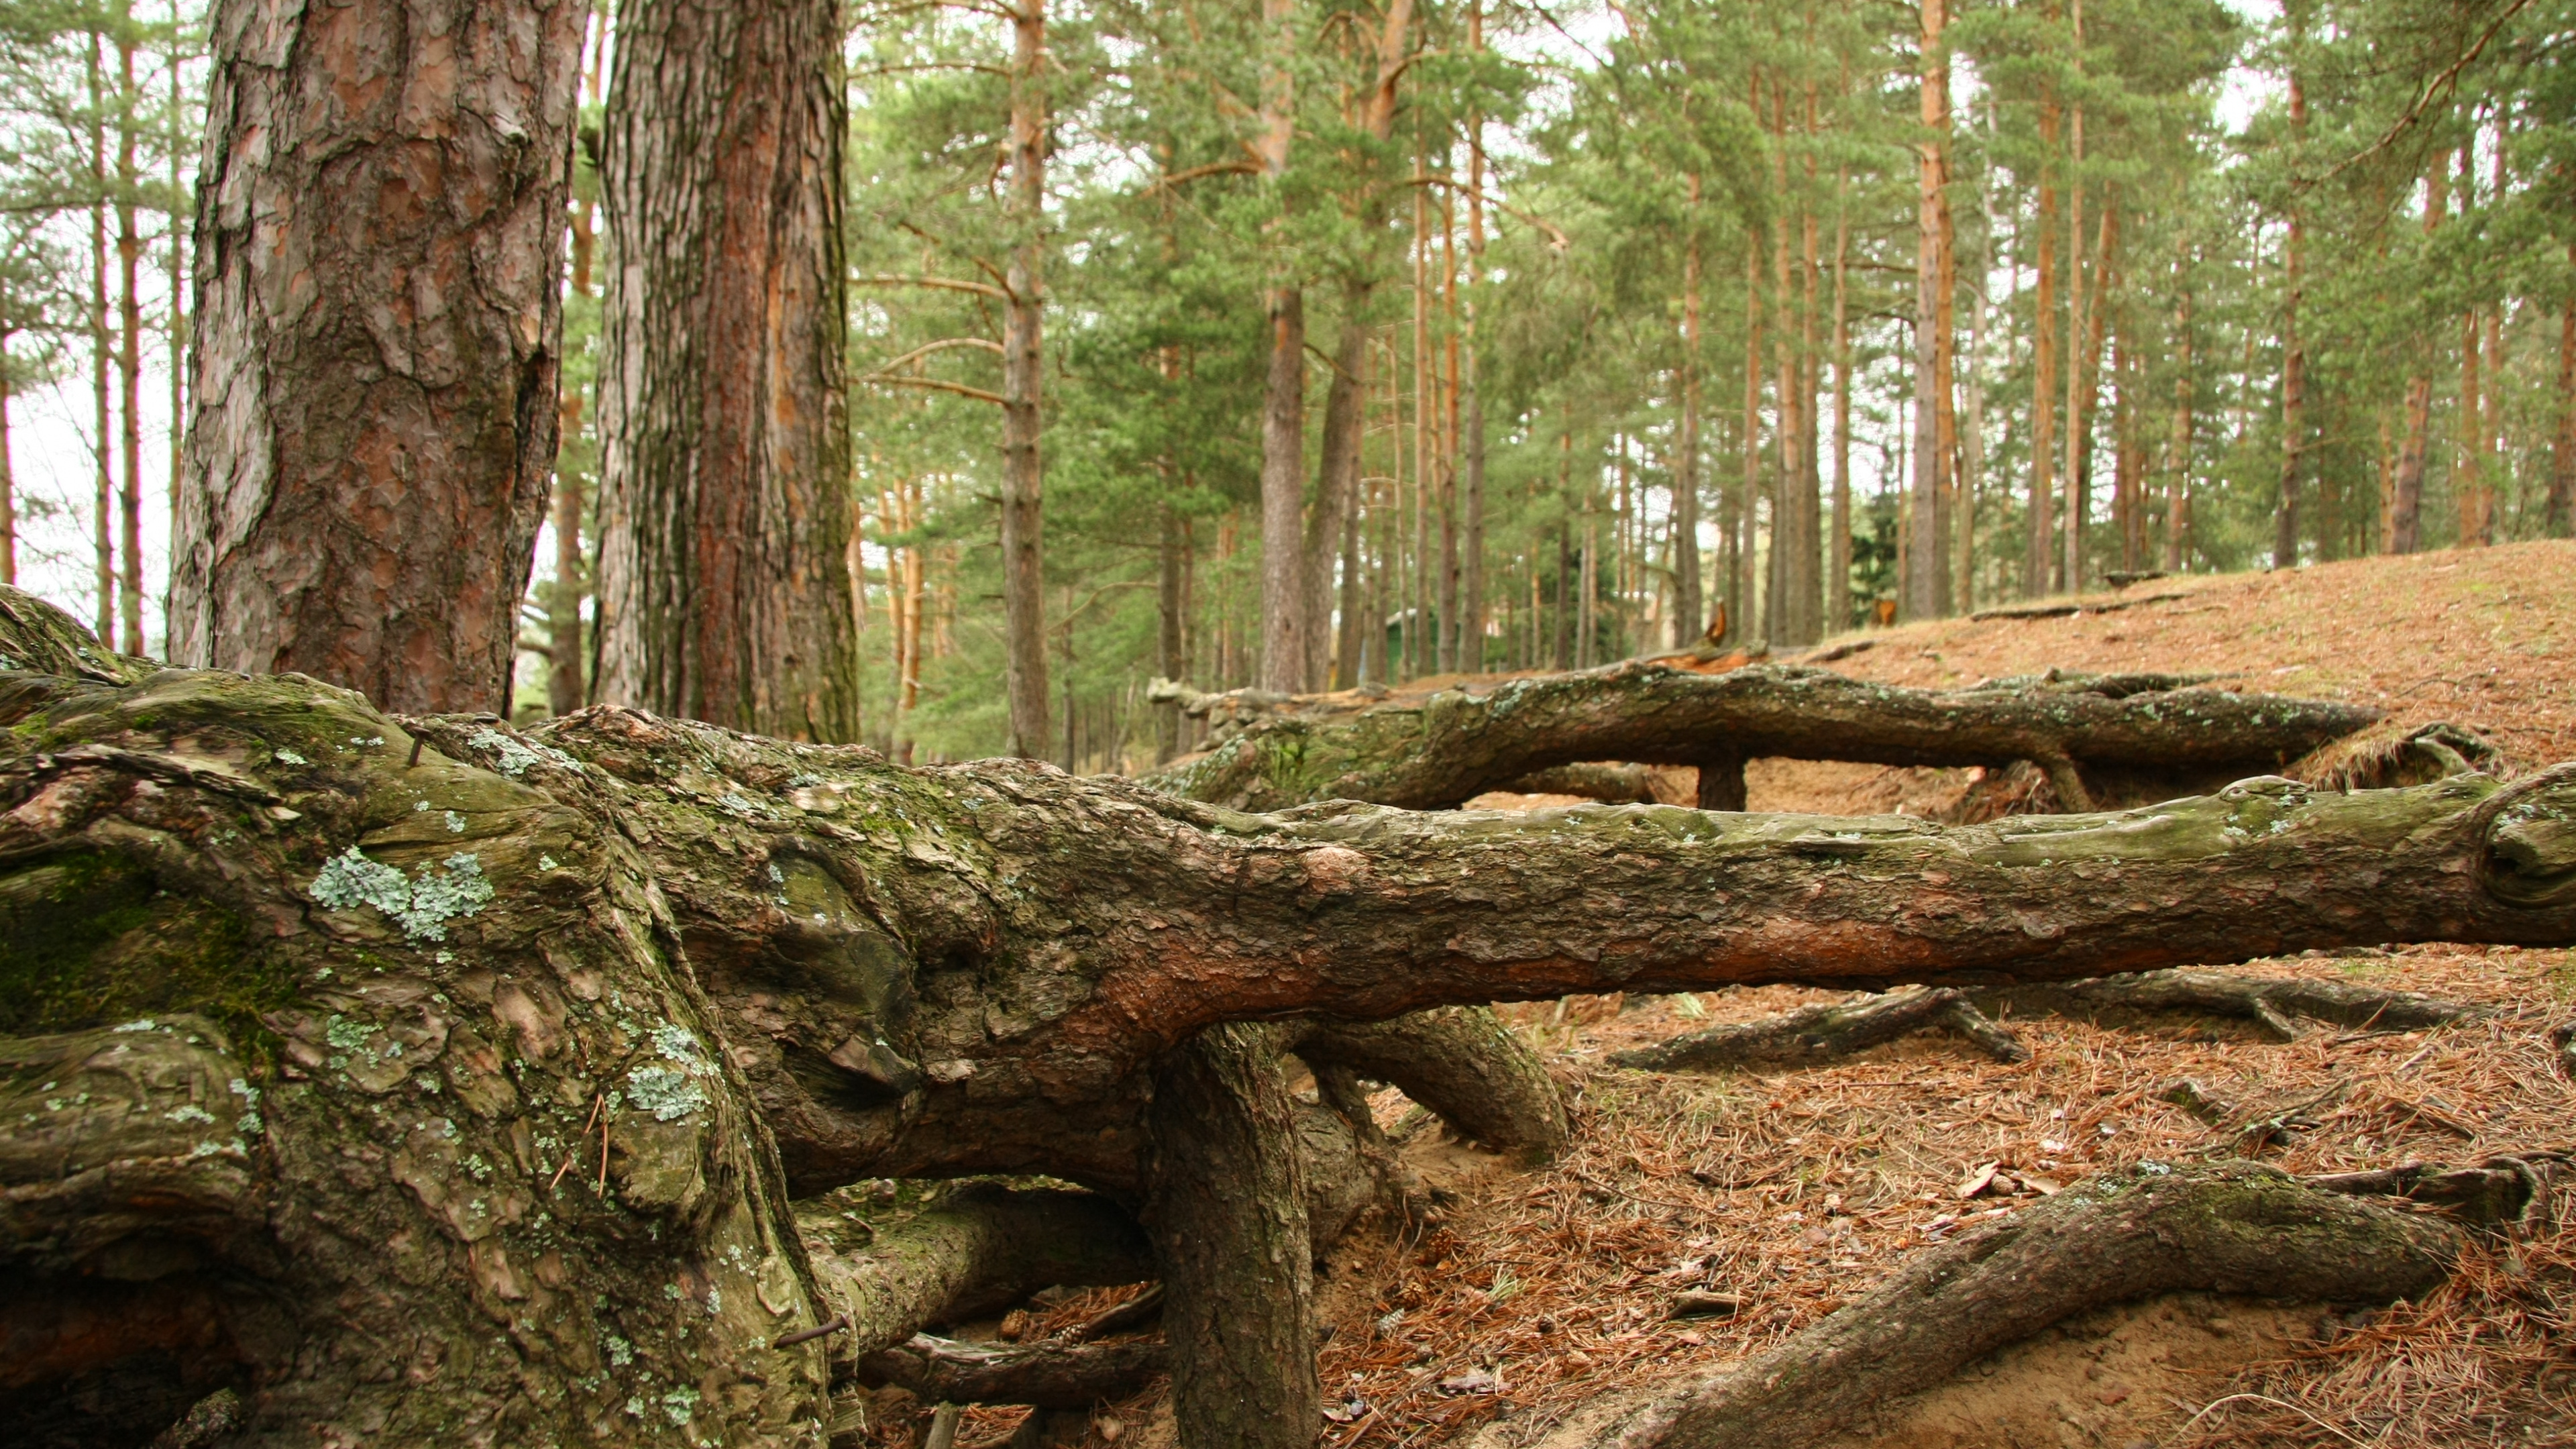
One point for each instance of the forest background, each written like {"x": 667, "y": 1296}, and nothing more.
{"x": 1319, "y": 344}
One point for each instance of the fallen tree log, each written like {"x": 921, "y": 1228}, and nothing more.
{"x": 1436, "y": 752}
{"x": 2234, "y": 1229}
{"x": 542, "y": 1026}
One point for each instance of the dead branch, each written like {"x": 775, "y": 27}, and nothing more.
{"x": 1827, "y": 1032}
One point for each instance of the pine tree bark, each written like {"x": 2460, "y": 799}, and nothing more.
{"x": 1927, "y": 559}
{"x": 1024, "y": 633}
{"x": 2558, "y": 518}
{"x": 724, "y": 448}
{"x": 129, "y": 352}
{"x": 2043, "y": 391}
{"x": 1284, "y": 615}
{"x": 378, "y": 244}
{"x": 1690, "y": 615}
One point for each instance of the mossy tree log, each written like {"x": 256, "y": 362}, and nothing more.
{"x": 1436, "y": 752}
{"x": 481, "y": 1066}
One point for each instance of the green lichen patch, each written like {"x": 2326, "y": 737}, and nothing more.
{"x": 421, "y": 904}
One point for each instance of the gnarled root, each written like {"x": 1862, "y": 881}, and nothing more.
{"x": 2237, "y": 1228}
{"x": 1826, "y": 1033}
{"x": 981, "y": 1248}
{"x": 2269, "y": 1002}
{"x": 1460, "y": 1062}
{"x": 1049, "y": 1375}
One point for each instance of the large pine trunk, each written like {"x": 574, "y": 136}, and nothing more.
{"x": 724, "y": 467}
{"x": 379, "y": 245}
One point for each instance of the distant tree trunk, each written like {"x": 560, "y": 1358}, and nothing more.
{"x": 2294, "y": 357}
{"x": 103, "y": 503}
{"x": 2469, "y": 481}
{"x": 1284, "y": 615}
{"x": 2070, "y": 560}
{"x": 567, "y": 683}
{"x": 1336, "y": 483}
{"x": 1167, "y": 632}
{"x": 2043, "y": 389}
{"x": 1838, "y": 576}
{"x": 8, "y": 470}
{"x": 1927, "y": 562}
{"x": 363, "y": 487}
{"x": 1690, "y": 616}
{"x": 1740, "y": 594}
{"x": 129, "y": 353}
{"x": 2178, "y": 482}
{"x": 1024, "y": 683}
{"x": 1471, "y": 445}
{"x": 2562, "y": 470}
{"x": 2406, "y": 496}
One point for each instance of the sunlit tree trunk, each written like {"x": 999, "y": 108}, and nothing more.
{"x": 2562, "y": 464}
{"x": 1838, "y": 574}
{"x": 1284, "y": 617}
{"x": 103, "y": 502}
{"x": 129, "y": 352}
{"x": 363, "y": 484}
{"x": 2178, "y": 480}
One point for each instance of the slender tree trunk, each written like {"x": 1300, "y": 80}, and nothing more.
{"x": 2178, "y": 481}
{"x": 1336, "y": 482}
{"x": 103, "y": 502}
{"x": 1023, "y": 530}
{"x": 1926, "y": 591}
{"x": 129, "y": 353}
{"x": 2469, "y": 482}
{"x": 567, "y": 687}
{"x": 1451, "y": 631}
{"x": 2294, "y": 357}
{"x": 2070, "y": 561}
{"x": 8, "y": 469}
{"x": 1838, "y": 576}
{"x": 1689, "y": 615}
{"x": 1471, "y": 446}
{"x": 1780, "y": 575}
{"x": 1954, "y": 510}
{"x": 2042, "y": 535}
{"x": 1167, "y": 631}
{"x": 176, "y": 333}
{"x": 722, "y": 415}
{"x": 2406, "y": 497}
{"x": 2088, "y": 360}
{"x": 1740, "y": 520}
{"x": 1285, "y": 616}
{"x": 362, "y": 496}
{"x": 2560, "y": 513}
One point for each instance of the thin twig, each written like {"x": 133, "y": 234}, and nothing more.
{"x": 574, "y": 1152}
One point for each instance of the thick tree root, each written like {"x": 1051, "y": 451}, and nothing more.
{"x": 1051, "y": 1375}
{"x": 2268, "y": 1002}
{"x": 1460, "y": 1062}
{"x": 1826, "y": 1033}
{"x": 1227, "y": 1213}
{"x": 2237, "y": 1228}
{"x": 980, "y": 1249}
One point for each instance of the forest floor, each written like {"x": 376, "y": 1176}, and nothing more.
{"x": 1539, "y": 1291}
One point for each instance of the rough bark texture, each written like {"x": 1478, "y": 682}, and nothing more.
{"x": 1438, "y": 752}
{"x": 2236, "y": 1228}
{"x": 981, "y": 1249}
{"x": 457, "y": 984}
{"x": 1049, "y": 1375}
{"x": 1461, "y": 1063}
{"x": 377, "y": 331}
{"x": 1827, "y": 1032}
{"x": 1227, "y": 1213}
{"x": 724, "y": 436}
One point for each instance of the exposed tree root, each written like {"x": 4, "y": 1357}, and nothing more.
{"x": 2269, "y": 1002}
{"x": 1605, "y": 781}
{"x": 1460, "y": 1062}
{"x": 1050, "y": 1375}
{"x": 1827, "y": 1032}
{"x": 2237, "y": 1228}
{"x": 2382, "y": 757}
{"x": 981, "y": 1248}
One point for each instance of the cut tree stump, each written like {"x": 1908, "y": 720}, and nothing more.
{"x": 1827, "y": 1032}
{"x": 2237, "y": 1228}
{"x": 434, "y": 1034}
{"x": 1436, "y": 752}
